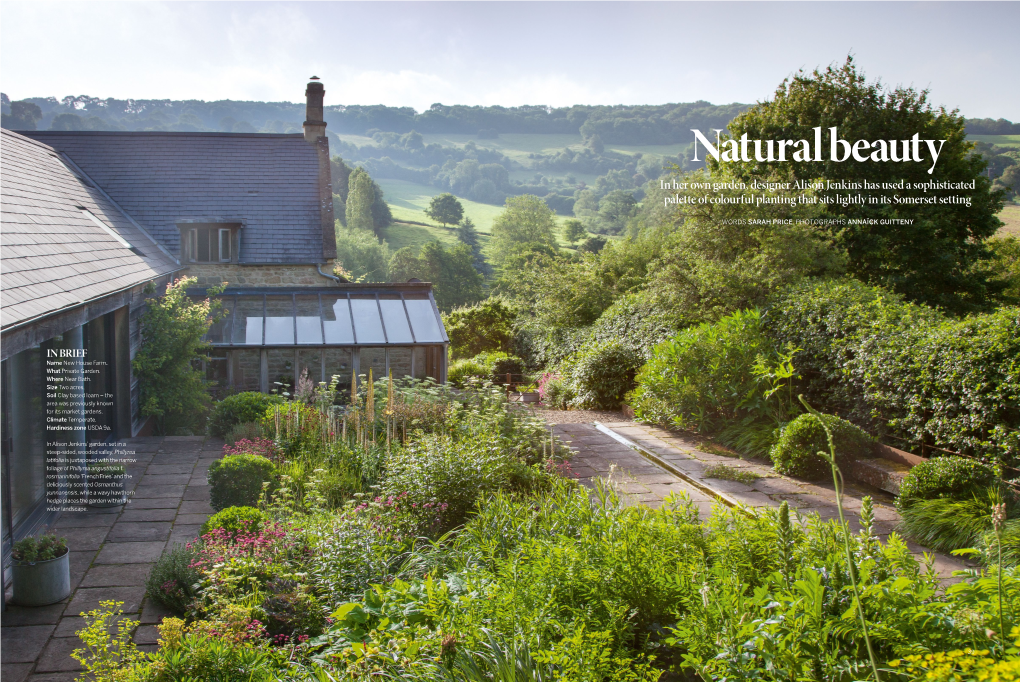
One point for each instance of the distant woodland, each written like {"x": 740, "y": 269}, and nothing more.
{"x": 571, "y": 162}
{"x": 631, "y": 125}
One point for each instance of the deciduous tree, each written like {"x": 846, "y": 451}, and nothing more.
{"x": 928, "y": 257}
{"x": 573, "y": 231}
{"x": 525, "y": 220}
{"x": 444, "y": 208}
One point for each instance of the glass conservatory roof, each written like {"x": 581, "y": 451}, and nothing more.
{"x": 327, "y": 317}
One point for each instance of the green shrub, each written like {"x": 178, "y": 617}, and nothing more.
{"x": 698, "y": 379}
{"x": 236, "y": 480}
{"x": 244, "y": 431}
{"x": 493, "y": 366}
{"x": 555, "y": 391}
{"x": 486, "y": 326}
{"x": 239, "y": 408}
{"x": 172, "y": 579}
{"x": 200, "y": 656}
{"x": 499, "y": 364}
{"x": 796, "y": 451}
{"x": 907, "y": 369}
{"x": 948, "y": 477}
{"x": 601, "y": 373}
{"x": 461, "y": 370}
{"x": 637, "y": 321}
{"x": 173, "y": 389}
{"x": 234, "y": 520}
{"x": 443, "y": 478}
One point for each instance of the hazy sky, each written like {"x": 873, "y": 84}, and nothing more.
{"x": 513, "y": 53}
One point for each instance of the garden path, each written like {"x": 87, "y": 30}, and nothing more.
{"x": 112, "y": 551}
{"x": 650, "y": 462}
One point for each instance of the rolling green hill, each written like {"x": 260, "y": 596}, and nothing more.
{"x": 408, "y": 200}
{"x": 1000, "y": 140}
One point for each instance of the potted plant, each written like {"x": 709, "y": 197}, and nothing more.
{"x": 106, "y": 484}
{"x": 41, "y": 570}
{"x": 528, "y": 394}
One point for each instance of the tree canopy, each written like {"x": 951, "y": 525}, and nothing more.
{"x": 573, "y": 230}
{"x": 444, "y": 208}
{"x": 525, "y": 220}
{"x": 360, "y": 197}
{"x": 932, "y": 258}
{"x": 451, "y": 271}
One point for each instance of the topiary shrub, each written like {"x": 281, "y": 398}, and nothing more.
{"x": 172, "y": 580}
{"x": 236, "y": 480}
{"x": 234, "y": 520}
{"x": 948, "y": 477}
{"x": 601, "y": 373}
{"x": 796, "y": 451}
{"x": 239, "y": 408}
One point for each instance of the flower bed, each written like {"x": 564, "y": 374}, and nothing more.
{"x": 414, "y": 534}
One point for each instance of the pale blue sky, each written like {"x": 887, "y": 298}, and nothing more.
{"x": 513, "y": 53}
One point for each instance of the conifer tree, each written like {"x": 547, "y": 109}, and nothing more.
{"x": 360, "y": 197}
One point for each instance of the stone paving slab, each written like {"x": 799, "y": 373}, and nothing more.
{"x": 113, "y": 550}
{"x": 130, "y": 552}
{"x": 117, "y": 576}
{"x": 24, "y": 644}
{"x": 639, "y": 482}
{"x": 770, "y": 489}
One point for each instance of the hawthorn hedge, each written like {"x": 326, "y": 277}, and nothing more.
{"x": 905, "y": 369}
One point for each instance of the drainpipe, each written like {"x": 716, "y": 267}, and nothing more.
{"x": 332, "y": 277}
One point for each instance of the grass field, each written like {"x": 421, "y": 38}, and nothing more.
{"x": 1001, "y": 140}
{"x": 1010, "y": 215}
{"x": 408, "y": 200}
{"x": 518, "y": 145}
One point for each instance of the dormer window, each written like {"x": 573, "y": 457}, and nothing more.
{"x": 215, "y": 243}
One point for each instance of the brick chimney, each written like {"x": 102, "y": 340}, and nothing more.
{"x": 315, "y": 133}
{"x": 314, "y": 126}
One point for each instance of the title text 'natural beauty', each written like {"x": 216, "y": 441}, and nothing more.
{"x": 804, "y": 150}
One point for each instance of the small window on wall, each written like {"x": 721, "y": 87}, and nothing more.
{"x": 208, "y": 243}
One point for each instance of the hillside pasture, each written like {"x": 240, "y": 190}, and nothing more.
{"x": 408, "y": 201}
{"x": 1010, "y": 217}
{"x": 1000, "y": 140}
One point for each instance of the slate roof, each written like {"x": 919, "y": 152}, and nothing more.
{"x": 52, "y": 255}
{"x": 268, "y": 183}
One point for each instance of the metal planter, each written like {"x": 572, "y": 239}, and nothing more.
{"x": 42, "y": 582}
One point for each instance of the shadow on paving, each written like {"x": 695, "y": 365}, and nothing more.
{"x": 112, "y": 551}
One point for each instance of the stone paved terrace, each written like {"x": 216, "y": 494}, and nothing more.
{"x": 644, "y": 481}
{"x": 112, "y": 551}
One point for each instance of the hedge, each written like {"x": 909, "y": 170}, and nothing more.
{"x": 905, "y": 369}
